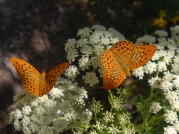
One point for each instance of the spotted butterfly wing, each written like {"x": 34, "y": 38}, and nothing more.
{"x": 52, "y": 75}
{"x": 122, "y": 53}
{"x": 29, "y": 75}
{"x": 140, "y": 55}
{"x": 113, "y": 74}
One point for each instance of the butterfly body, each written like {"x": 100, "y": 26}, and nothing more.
{"x": 121, "y": 58}
{"x": 34, "y": 82}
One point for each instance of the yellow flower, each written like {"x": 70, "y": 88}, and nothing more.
{"x": 175, "y": 19}
{"x": 160, "y": 22}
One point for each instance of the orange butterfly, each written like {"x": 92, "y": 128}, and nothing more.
{"x": 34, "y": 82}
{"x": 121, "y": 58}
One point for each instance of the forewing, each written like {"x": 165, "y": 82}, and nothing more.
{"x": 29, "y": 75}
{"x": 52, "y": 75}
{"x": 140, "y": 55}
{"x": 122, "y": 51}
{"x": 113, "y": 74}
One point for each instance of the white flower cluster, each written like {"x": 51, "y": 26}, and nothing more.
{"x": 110, "y": 122}
{"x": 117, "y": 103}
{"x": 165, "y": 65}
{"x": 95, "y": 106}
{"x": 155, "y": 107}
{"x": 169, "y": 130}
{"x": 61, "y": 109}
{"x": 85, "y": 52}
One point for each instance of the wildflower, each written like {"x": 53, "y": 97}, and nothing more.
{"x": 161, "y": 33}
{"x": 176, "y": 81}
{"x": 138, "y": 72}
{"x": 169, "y": 56}
{"x": 150, "y": 67}
{"x": 46, "y": 130}
{"x": 95, "y": 37}
{"x": 84, "y": 63}
{"x": 90, "y": 78}
{"x": 170, "y": 117}
{"x": 96, "y": 62}
{"x": 25, "y": 121}
{"x": 125, "y": 118}
{"x": 129, "y": 130}
{"x": 171, "y": 96}
{"x": 17, "y": 114}
{"x": 175, "y": 30}
{"x": 117, "y": 103}
{"x": 168, "y": 76}
{"x": 70, "y": 116}
{"x": 72, "y": 55}
{"x": 56, "y": 93}
{"x": 99, "y": 126}
{"x": 116, "y": 34}
{"x": 82, "y": 42}
{"x": 70, "y": 45}
{"x": 169, "y": 130}
{"x": 155, "y": 82}
{"x": 162, "y": 42}
{"x": 175, "y": 66}
{"x": 160, "y": 22}
{"x": 154, "y": 107}
{"x": 72, "y": 72}
{"x": 113, "y": 129}
{"x": 176, "y": 126}
{"x": 26, "y": 130}
{"x": 17, "y": 125}
{"x": 176, "y": 59}
{"x": 108, "y": 116}
{"x": 146, "y": 39}
{"x": 175, "y": 105}
{"x": 95, "y": 106}
{"x": 84, "y": 32}
{"x": 98, "y": 49}
{"x": 161, "y": 66}
{"x": 166, "y": 85}
{"x": 86, "y": 50}
{"x": 98, "y": 27}
{"x": 93, "y": 132}
{"x": 158, "y": 54}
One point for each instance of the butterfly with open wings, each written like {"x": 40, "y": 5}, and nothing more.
{"x": 34, "y": 82}
{"x": 121, "y": 58}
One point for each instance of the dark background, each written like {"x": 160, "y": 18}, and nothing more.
{"x": 36, "y": 31}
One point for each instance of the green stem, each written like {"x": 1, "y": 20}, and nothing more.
{"x": 151, "y": 93}
{"x": 116, "y": 113}
{"x": 110, "y": 94}
{"x": 153, "y": 120}
{"x": 156, "y": 73}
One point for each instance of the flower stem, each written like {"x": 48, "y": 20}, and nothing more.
{"x": 153, "y": 120}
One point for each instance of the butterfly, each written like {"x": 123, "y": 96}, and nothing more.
{"x": 34, "y": 82}
{"x": 121, "y": 58}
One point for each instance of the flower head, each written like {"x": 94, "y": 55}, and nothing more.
{"x": 170, "y": 117}
{"x": 117, "y": 103}
{"x": 169, "y": 130}
{"x": 155, "y": 107}
{"x": 62, "y": 106}
{"x": 95, "y": 106}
